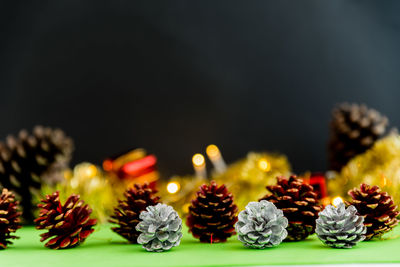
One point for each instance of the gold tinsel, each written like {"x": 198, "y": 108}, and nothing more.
{"x": 379, "y": 165}
{"x": 94, "y": 187}
{"x": 186, "y": 188}
{"x": 247, "y": 178}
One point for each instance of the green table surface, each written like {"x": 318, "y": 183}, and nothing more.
{"x": 106, "y": 249}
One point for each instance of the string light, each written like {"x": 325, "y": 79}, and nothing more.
{"x": 216, "y": 159}
{"x": 264, "y": 165}
{"x": 213, "y": 152}
{"x": 199, "y": 166}
{"x": 91, "y": 170}
{"x": 198, "y": 160}
{"x": 173, "y": 187}
{"x": 336, "y": 201}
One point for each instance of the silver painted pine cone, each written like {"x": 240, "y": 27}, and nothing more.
{"x": 340, "y": 227}
{"x": 160, "y": 227}
{"x": 261, "y": 225}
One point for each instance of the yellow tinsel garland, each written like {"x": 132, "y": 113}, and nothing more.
{"x": 247, "y": 178}
{"x": 379, "y": 165}
{"x": 94, "y": 187}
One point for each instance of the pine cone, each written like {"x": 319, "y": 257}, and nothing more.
{"x": 68, "y": 225}
{"x": 299, "y": 204}
{"x": 377, "y": 207}
{"x": 261, "y": 225}
{"x": 212, "y": 215}
{"x": 25, "y": 160}
{"x": 340, "y": 227}
{"x": 354, "y": 129}
{"x": 161, "y": 228}
{"x": 9, "y": 218}
{"x": 127, "y": 213}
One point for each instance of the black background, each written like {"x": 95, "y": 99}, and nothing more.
{"x": 174, "y": 76}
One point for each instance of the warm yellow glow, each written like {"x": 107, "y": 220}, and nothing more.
{"x": 264, "y": 165}
{"x": 67, "y": 174}
{"x": 91, "y": 171}
{"x": 326, "y": 201}
{"x": 336, "y": 201}
{"x": 213, "y": 152}
{"x": 185, "y": 207}
{"x": 173, "y": 187}
{"x": 198, "y": 160}
{"x": 384, "y": 180}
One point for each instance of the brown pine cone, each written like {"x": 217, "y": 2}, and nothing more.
{"x": 212, "y": 214}
{"x": 354, "y": 129}
{"x": 26, "y": 160}
{"x": 377, "y": 207}
{"x": 299, "y": 204}
{"x": 127, "y": 213}
{"x": 68, "y": 225}
{"x": 9, "y": 218}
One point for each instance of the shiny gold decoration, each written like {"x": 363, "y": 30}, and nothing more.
{"x": 379, "y": 166}
{"x": 248, "y": 177}
{"x": 179, "y": 191}
{"x": 90, "y": 182}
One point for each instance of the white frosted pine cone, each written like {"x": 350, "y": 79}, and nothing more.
{"x": 339, "y": 227}
{"x": 261, "y": 225}
{"x": 160, "y": 227}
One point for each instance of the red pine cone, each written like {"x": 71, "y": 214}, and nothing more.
{"x": 213, "y": 214}
{"x": 9, "y": 218}
{"x": 127, "y": 213}
{"x": 299, "y": 204}
{"x": 68, "y": 225}
{"x": 377, "y": 207}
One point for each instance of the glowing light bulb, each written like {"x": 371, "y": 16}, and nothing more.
{"x": 91, "y": 171}
{"x": 198, "y": 160}
{"x": 173, "y": 187}
{"x": 336, "y": 201}
{"x": 215, "y": 156}
{"x": 213, "y": 152}
{"x": 199, "y": 166}
{"x": 264, "y": 165}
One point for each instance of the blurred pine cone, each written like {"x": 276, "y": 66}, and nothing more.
{"x": 377, "y": 207}
{"x": 68, "y": 225}
{"x": 9, "y": 218}
{"x": 127, "y": 213}
{"x": 212, "y": 214}
{"x": 25, "y": 160}
{"x": 299, "y": 204}
{"x": 354, "y": 129}
{"x": 160, "y": 227}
